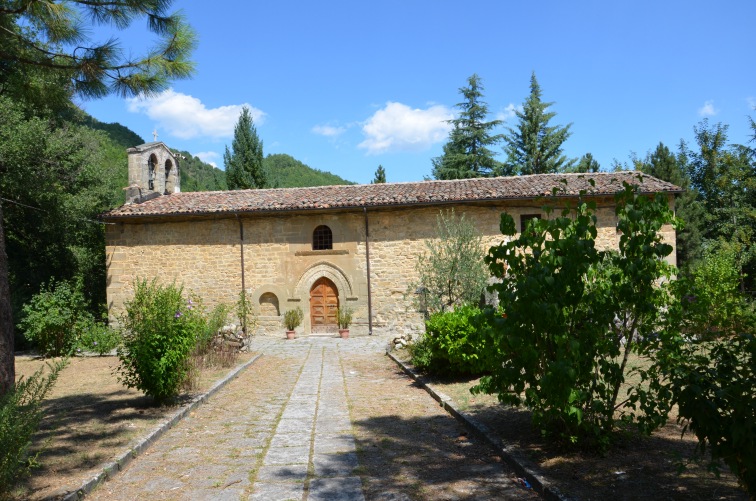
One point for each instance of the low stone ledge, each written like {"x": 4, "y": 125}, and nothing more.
{"x": 110, "y": 469}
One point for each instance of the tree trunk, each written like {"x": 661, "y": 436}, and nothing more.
{"x": 7, "y": 362}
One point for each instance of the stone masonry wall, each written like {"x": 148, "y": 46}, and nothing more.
{"x": 280, "y": 265}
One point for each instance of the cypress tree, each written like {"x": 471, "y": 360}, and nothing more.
{"x": 535, "y": 147}
{"x": 380, "y": 175}
{"x": 466, "y": 153}
{"x": 244, "y": 167}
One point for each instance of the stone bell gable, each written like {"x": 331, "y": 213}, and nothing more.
{"x": 323, "y": 248}
{"x": 153, "y": 171}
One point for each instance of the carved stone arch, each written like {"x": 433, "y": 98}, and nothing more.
{"x": 328, "y": 270}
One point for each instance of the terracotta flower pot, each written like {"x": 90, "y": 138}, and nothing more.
{"x": 344, "y": 333}
{"x": 291, "y": 335}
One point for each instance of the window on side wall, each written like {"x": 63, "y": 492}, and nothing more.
{"x": 525, "y": 219}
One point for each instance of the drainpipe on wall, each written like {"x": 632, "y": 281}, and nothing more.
{"x": 244, "y": 288}
{"x": 367, "y": 259}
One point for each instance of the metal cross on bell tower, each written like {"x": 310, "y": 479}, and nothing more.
{"x": 154, "y": 135}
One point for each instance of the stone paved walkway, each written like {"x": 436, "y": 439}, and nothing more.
{"x": 282, "y": 430}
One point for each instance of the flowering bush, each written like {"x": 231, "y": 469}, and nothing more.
{"x": 161, "y": 330}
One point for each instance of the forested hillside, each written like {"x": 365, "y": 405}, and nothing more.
{"x": 284, "y": 171}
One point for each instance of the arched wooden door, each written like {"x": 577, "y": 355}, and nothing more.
{"x": 324, "y": 300}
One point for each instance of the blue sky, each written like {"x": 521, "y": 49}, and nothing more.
{"x": 345, "y": 86}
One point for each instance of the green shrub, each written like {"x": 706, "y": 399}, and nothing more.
{"x": 712, "y": 302}
{"x": 292, "y": 318}
{"x": 245, "y": 313}
{"x": 161, "y": 331}
{"x": 456, "y": 342}
{"x": 344, "y": 317}
{"x": 20, "y": 414}
{"x": 207, "y": 325}
{"x": 575, "y": 314}
{"x": 714, "y": 383}
{"x": 53, "y": 318}
{"x": 97, "y": 337}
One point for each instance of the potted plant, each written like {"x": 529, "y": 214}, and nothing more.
{"x": 344, "y": 318}
{"x": 292, "y": 320}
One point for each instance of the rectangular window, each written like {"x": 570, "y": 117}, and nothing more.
{"x": 525, "y": 219}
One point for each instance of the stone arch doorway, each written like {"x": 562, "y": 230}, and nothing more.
{"x": 324, "y": 301}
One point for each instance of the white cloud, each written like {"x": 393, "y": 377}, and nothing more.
{"x": 397, "y": 127}
{"x": 186, "y": 117}
{"x": 751, "y": 103}
{"x": 209, "y": 157}
{"x": 508, "y": 112}
{"x": 708, "y": 110}
{"x": 328, "y": 130}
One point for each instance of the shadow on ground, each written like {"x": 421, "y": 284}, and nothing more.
{"x": 636, "y": 467}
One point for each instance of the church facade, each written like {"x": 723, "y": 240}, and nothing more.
{"x": 323, "y": 247}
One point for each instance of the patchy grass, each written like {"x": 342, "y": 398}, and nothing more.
{"x": 90, "y": 418}
{"x": 636, "y": 467}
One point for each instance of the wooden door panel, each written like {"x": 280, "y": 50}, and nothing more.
{"x": 324, "y": 301}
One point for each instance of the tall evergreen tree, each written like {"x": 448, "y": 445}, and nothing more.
{"x": 663, "y": 164}
{"x": 586, "y": 164}
{"x": 244, "y": 167}
{"x": 535, "y": 147}
{"x": 467, "y": 152}
{"x": 380, "y": 175}
{"x": 47, "y": 55}
{"x": 725, "y": 177}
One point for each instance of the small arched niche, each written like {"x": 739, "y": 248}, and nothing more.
{"x": 269, "y": 305}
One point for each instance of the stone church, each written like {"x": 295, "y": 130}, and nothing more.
{"x": 323, "y": 247}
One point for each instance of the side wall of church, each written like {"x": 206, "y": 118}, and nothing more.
{"x": 280, "y": 265}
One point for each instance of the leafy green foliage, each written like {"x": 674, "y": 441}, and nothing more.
{"x": 161, "y": 331}
{"x": 244, "y": 167}
{"x": 120, "y": 134}
{"x": 725, "y": 178}
{"x": 711, "y": 301}
{"x": 58, "y": 179}
{"x": 661, "y": 163}
{"x": 293, "y": 318}
{"x": 467, "y": 152}
{"x": 574, "y": 314}
{"x": 197, "y": 175}
{"x": 714, "y": 383}
{"x": 452, "y": 270}
{"x": 97, "y": 337}
{"x": 245, "y": 313}
{"x": 457, "y": 342}
{"x": 344, "y": 317}
{"x": 55, "y": 318}
{"x": 21, "y": 412}
{"x": 534, "y": 146}
{"x": 284, "y": 171}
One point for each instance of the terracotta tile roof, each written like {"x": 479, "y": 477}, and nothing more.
{"x": 387, "y": 195}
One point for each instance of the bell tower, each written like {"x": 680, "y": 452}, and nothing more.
{"x": 153, "y": 171}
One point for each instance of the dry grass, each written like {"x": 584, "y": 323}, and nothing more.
{"x": 90, "y": 419}
{"x": 636, "y": 467}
